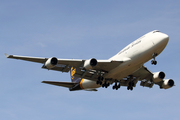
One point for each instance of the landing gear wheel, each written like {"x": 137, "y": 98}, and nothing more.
{"x": 116, "y": 86}
{"x": 131, "y": 85}
{"x": 119, "y": 86}
{"x": 154, "y": 62}
{"x": 100, "y": 82}
{"x": 131, "y": 88}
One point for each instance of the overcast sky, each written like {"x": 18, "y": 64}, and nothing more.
{"x": 83, "y": 29}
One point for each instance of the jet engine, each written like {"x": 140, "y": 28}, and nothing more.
{"x": 158, "y": 77}
{"x": 51, "y": 62}
{"x": 167, "y": 83}
{"x": 89, "y": 64}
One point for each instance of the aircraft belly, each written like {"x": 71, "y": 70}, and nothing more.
{"x": 122, "y": 71}
{"x": 88, "y": 84}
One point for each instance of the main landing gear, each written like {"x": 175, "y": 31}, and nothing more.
{"x": 116, "y": 86}
{"x": 106, "y": 83}
{"x": 100, "y": 82}
{"x": 130, "y": 87}
{"x": 154, "y": 62}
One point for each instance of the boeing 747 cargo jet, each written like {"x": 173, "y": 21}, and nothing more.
{"x": 125, "y": 68}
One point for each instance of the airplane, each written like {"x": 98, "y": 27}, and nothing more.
{"x": 125, "y": 68}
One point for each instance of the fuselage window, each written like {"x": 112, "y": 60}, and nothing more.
{"x": 156, "y": 31}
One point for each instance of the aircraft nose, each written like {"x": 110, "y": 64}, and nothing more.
{"x": 161, "y": 39}
{"x": 165, "y": 38}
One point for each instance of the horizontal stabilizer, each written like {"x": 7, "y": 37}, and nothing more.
{"x": 63, "y": 84}
{"x": 7, "y": 55}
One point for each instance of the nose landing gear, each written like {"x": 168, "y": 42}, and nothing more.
{"x": 154, "y": 62}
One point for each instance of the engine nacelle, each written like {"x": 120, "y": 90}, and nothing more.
{"x": 51, "y": 62}
{"x": 89, "y": 64}
{"x": 167, "y": 83}
{"x": 158, "y": 77}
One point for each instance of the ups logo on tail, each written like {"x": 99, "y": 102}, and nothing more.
{"x": 73, "y": 71}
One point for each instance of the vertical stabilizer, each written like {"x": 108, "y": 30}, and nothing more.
{"x": 73, "y": 78}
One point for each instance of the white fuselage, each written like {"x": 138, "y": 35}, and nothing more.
{"x": 137, "y": 53}
{"x": 134, "y": 56}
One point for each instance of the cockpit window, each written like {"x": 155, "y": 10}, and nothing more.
{"x": 156, "y": 31}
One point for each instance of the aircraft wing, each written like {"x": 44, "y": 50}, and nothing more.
{"x": 26, "y": 58}
{"x": 145, "y": 76}
{"x": 65, "y": 65}
{"x": 142, "y": 74}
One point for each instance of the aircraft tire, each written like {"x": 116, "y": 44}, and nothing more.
{"x": 154, "y": 62}
{"x": 131, "y": 88}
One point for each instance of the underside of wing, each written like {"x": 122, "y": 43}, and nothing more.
{"x": 145, "y": 76}
{"x": 143, "y": 73}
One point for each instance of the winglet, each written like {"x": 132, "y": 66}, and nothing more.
{"x": 7, "y": 55}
